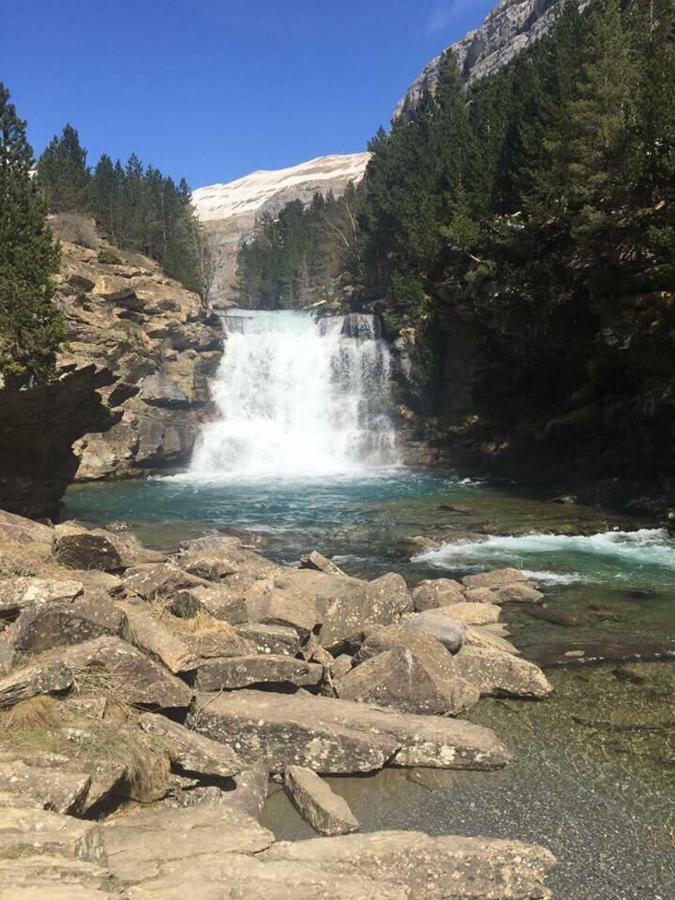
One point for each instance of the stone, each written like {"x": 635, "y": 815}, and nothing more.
{"x": 449, "y": 632}
{"x": 269, "y": 605}
{"x": 472, "y": 613}
{"x": 280, "y": 640}
{"x": 46, "y": 625}
{"x": 480, "y": 595}
{"x": 55, "y": 789}
{"x": 518, "y": 593}
{"x": 437, "y": 592}
{"x": 209, "y": 565}
{"x": 132, "y": 677}
{"x": 238, "y": 672}
{"x": 483, "y": 636}
{"x": 409, "y": 670}
{"x": 20, "y": 532}
{"x": 232, "y": 555}
{"x": 42, "y": 677}
{"x": 6, "y": 656}
{"x": 190, "y": 751}
{"x": 428, "y": 868}
{"x": 113, "y": 288}
{"x": 338, "y": 736}
{"x": 496, "y": 579}
{"x": 321, "y": 563}
{"x": 159, "y": 390}
{"x": 340, "y": 665}
{"x": 217, "y": 600}
{"x": 150, "y": 635}
{"x": 500, "y": 674}
{"x": 29, "y": 830}
{"x": 324, "y": 810}
{"x": 16, "y": 593}
{"x": 87, "y": 550}
{"x": 139, "y": 847}
{"x": 158, "y": 580}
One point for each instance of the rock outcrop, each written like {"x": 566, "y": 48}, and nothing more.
{"x": 230, "y": 211}
{"x": 508, "y": 29}
{"x": 159, "y": 345}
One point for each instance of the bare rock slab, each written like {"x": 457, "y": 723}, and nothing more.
{"x": 139, "y": 846}
{"x": 46, "y": 876}
{"x": 16, "y": 593}
{"x": 46, "y": 625}
{"x": 499, "y": 674}
{"x": 151, "y": 636}
{"x": 55, "y": 789}
{"x": 24, "y": 830}
{"x": 472, "y": 613}
{"x": 279, "y": 640}
{"x": 190, "y": 751}
{"x": 338, "y": 736}
{"x": 44, "y": 677}
{"x": 429, "y": 868}
{"x": 323, "y": 809}
{"x": 244, "y": 671}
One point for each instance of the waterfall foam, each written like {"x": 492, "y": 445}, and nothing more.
{"x": 298, "y": 396}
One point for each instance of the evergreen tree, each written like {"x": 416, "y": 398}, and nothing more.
{"x": 63, "y": 172}
{"x": 30, "y": 326}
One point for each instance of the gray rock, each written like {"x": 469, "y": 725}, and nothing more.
{"x": 46, "y": 625}
{"x": 267, "y": 604}
{"x": 151, "y": 581}
{"x": 218, "y": 601}
{"x": 190, "y": 751}
{"x": 6, "y": 656}
{"x": 87, "y": 550}
{"x": 158, "y": 390}
{"x": 496, "y": 579}
{"x": 324, "y": 810}
{"x": 141, "y": 846}
{"x": 42, "y": 677}
{"x": 321, "y": 563}
{"x": 55, "y": 789}
{"x": 280, "y": 640}
{"x": 437, "y": 592}
{"x": 428, "y": 868}
{"x": 519, "y": 593}
{"x": 238, "y": 672}
{"x": 338, "y": 736}
{"x": 151, "y": 636}
{"x": 500, "y": 674}
{"x": 449, "y": 632}
{"x": 132, "y": 677}
{"x": 16, "y": 593}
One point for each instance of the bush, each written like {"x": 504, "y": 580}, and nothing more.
{"x": 108, "y": 258}
{"x": 75, "y": 228}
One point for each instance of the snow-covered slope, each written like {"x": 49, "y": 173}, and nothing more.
{"x": 230, "y": 211}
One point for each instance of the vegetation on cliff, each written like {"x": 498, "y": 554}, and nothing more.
{"x": 30, "y": 326}
{"x": 137, "y": 206}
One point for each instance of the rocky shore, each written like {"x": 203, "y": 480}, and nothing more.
{"x": 149, "y": 703}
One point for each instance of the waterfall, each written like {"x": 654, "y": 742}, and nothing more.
{"x": 298, "y": 396}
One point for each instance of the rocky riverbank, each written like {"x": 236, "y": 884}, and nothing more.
{"x": 150, "y": 702}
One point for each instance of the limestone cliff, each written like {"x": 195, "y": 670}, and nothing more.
{"x": 508, "y": 29}
{"x": 161, "y": 346}
{"x": 230, "y": 211}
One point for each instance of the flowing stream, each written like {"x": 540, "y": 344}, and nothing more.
{"x": 298, "y": 396}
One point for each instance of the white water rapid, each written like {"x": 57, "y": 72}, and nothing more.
{"x": 298, "y": 396}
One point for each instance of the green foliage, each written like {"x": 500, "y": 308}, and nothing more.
{"x": 30, "y": 326}
{"x": 63, "y": 172}
{"x": 108, "y": 258}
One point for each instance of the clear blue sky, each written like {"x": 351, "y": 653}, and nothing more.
{"x": 213, "y": 89}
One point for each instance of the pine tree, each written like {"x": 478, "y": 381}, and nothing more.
{"x": 63, "y": 172}
{"x": 30, "y": 326}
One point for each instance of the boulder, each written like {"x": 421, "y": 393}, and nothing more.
{"x": 139, "y": 847}
{"x": 499, "y": 674}
{"x": 518, "y": 592}
{"x": 238, "y": 672}
{"x": 280, "y": 640}
{"x": 472, "y": 613}
{"x": 29, "y": 830}
{"x": 437, "y": 592}
{"x": 338, "y": 736}
{"x": 449, "y": 632}
{"x": 16, "y": 593}
{"x": 425, "y": 867}
{"x": 190, "y": 751}
{"x": 496, "y": 579}
{"x": 56, "y": 789}
{"x": 324, "y": 810}
{"x": 321, "y": 563}
{"x": 46, "y": 625}
{"x": 217, "y": 600}
{"x": 151, "y": 581}
{"x": 42, "y": 677}
{"x": 159, "y": 390}
{"x": 480, "y": 595}
{"x": 409, "y": 670}
{"x": 268, "y": 605}
{"x": 484, "y": 636}
{"x": 87, "y": 550}
{"x": 113, "y": 288}
{"x": 129, "y": 674}
{"x": 151, "y": 636}
{"x": 19, "y": 533}
{"x": 231, "y": 554}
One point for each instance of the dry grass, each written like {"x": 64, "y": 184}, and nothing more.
{"x": 75, "y": 229}
{"x": 35, "y": 713}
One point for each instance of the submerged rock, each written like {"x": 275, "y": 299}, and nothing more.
{"x": 324, "y": 810}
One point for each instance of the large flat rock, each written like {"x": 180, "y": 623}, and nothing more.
{"x": 339, "y": 736}
{"x": 243, "y": 671}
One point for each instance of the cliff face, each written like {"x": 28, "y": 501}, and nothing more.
{"x": 159, "y": 344}
{"x": 509, "y": 28}
{"x": 230, "y": 211}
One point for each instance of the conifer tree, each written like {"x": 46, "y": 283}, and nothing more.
{"x": 30, "y": 326}
{"x": 63, "y": 172}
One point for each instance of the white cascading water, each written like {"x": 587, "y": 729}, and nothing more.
{"x": 298, "y": 396}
